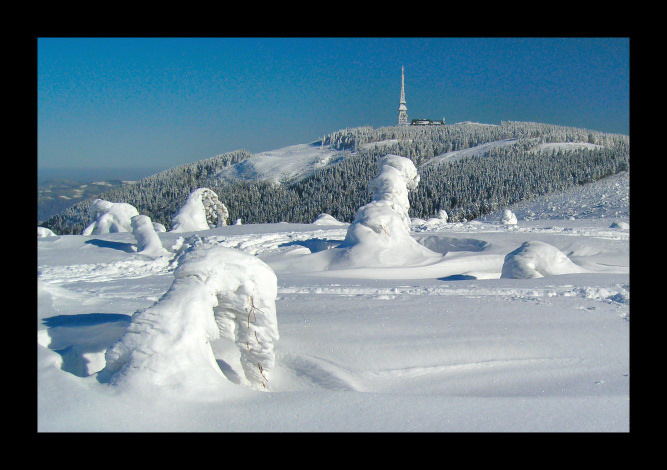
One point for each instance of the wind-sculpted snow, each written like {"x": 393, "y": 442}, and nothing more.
{"x": 217, "y": 292}
{"x": 535, "y": 259}
{"x": 110, "y": 217}
{"x": 202, "y": 211}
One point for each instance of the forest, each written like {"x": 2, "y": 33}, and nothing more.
{"x": 465, "y": 188}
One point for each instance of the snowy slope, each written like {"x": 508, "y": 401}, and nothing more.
{"x": 443, "y": 345}
{"x": 283, "y": 165}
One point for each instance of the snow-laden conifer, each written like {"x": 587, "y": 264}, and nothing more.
{"x": 109, "y": 217}
{"x": 148, "y": 241}
{"x": 201, "y": 211}
{"x": 217, "y": 292}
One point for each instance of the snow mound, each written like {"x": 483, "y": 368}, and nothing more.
{"x": 534, "y": 259}
{"x": 148, "y": 241}
{"x": 217, "y": 292}
{"x": 158, "y": 227}
{"x": 380, "y": 232}
{"x": 620, "y": 224}
{"x": 202, "y": 211}
{"x": 326, "y": 219}
{"x": 43, "y": 232}
{"x": 508, "y": 218}
{"x": 109, "y": 217}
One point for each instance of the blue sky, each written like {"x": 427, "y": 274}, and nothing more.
{"x": 155, "y": 103}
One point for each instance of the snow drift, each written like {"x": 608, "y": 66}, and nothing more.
{"x": 148, "y": 241}
{"x": 534, "y": 259}
{"x": 109, "y": 217}
{"x": 380, "y": 232}
{"x": 217, "y": 292}
{"x": 201, "y": 211}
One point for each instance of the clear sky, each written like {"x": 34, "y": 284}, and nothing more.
{"x": 128, "y": 103}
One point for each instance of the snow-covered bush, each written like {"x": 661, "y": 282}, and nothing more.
{"x": 148, "y": 241}
{"x": 217, "y": 292}
{"x": 508, "y": 218}
{"x": 202, "y": 211}
{"x": 327, "y": 219}
{"x": 442, "y": 215}
{"x": 380, "y": 232}
{"x": 535, "y": 259}
{"x": 159, "y": 227}
{"x": 45, "y": 232}
{"x": 109, "y": 217}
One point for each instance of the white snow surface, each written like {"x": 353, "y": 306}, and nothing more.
{"x": 446, "y": 344}
{"x": 283, "y": 165}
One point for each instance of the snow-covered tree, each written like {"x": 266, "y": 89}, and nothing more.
{"x": 202, "y": 211}
{"x": 44, "y": 232}
{"x": 217, "y": 292}
{"x": 380, "y": 232}
{"x": 508, "y": 218}
{"x": 148, "y": 241}
{"x": 534, "y": 259}
{"x": 109, "y": 217}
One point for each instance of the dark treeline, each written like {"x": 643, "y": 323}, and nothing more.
{"x": 467, "y": 188}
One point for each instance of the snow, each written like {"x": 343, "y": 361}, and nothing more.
{"x": 44, "y": 232}
{"x": 109, "y": 217}
{"x": 508, "y": 218}
{"x": 148, "y": 242}
{"x": 441, "y": 343}
{"x": 201, "y": 211}
{"x": 216, "y": 292}
{"x": 283, "y": 165}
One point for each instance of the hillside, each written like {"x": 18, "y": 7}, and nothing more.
{"x": 467, "y": 169}
{"x": 443, "y": 343}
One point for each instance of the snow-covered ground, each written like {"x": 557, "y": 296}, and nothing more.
{"x": 283, "y": 165}
{"x": 443, "y": 344}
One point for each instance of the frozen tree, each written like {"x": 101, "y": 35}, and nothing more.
{"x": 442, "y": 215}
{"x": 202, "y": 211}
{"x": 109, "y": 217}
{"x": 44, "y": 232}
{"x": 380, "y": 232}
{"x": 159, "y": 227}
{"x": 148, "y": 241}
{"x": 217, "y": 292}
{"x": 508, "y": 218}
{"x": 535, "y": 259}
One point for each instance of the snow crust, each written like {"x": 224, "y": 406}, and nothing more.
{"x": 201, "y": 211}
